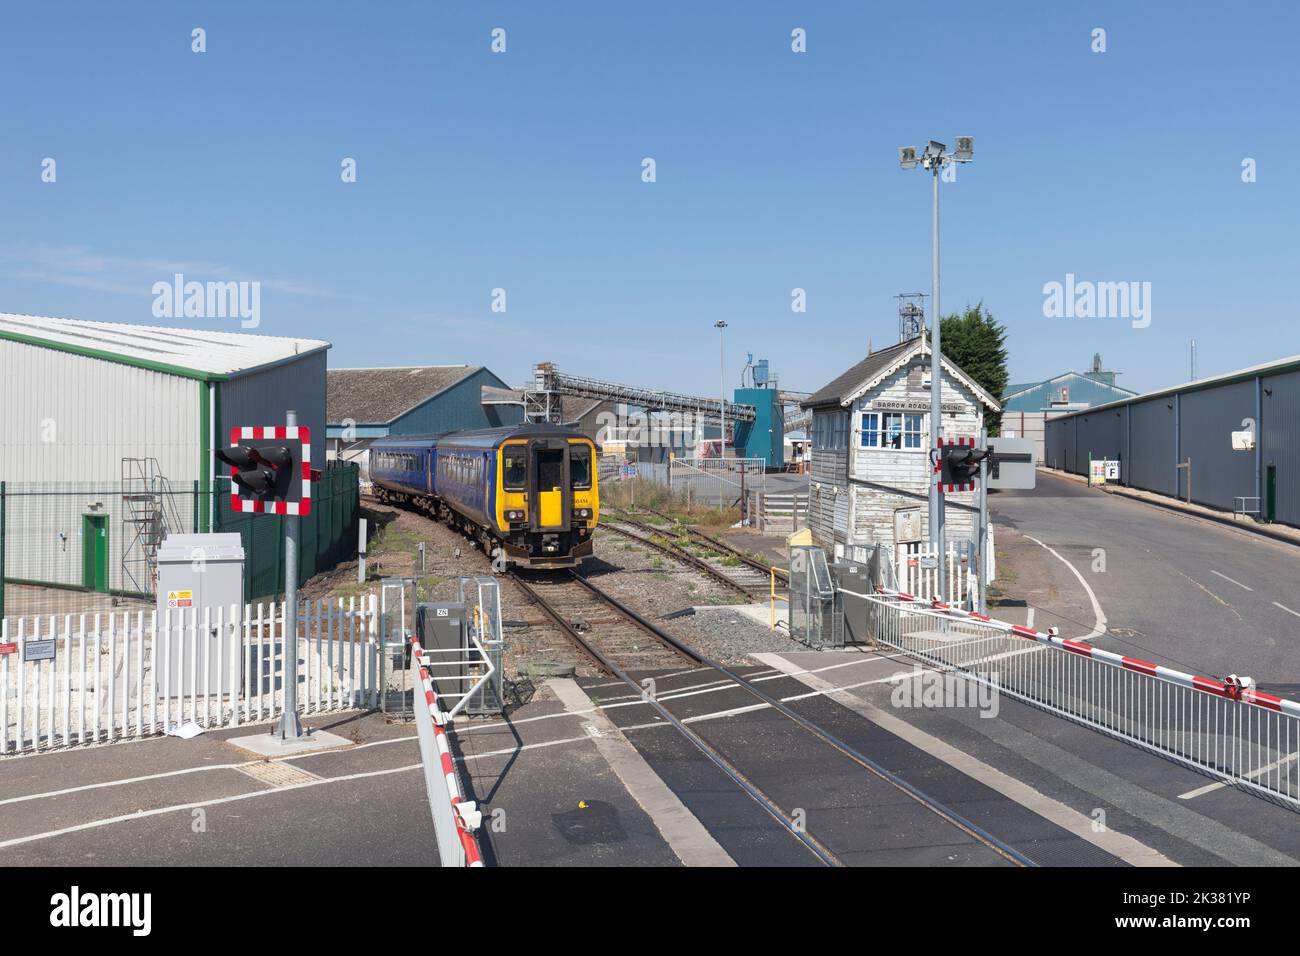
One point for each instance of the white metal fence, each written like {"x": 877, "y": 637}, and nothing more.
{"x": 916, "y": 570}
{"x": 88, "y": 678}
{"x": 1231, "y": 731}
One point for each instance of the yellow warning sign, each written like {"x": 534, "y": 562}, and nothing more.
{"x": 180, "y": 598}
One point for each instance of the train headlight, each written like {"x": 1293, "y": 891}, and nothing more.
{"x": 514, "y": 516}
{"x": 582, "y": 512}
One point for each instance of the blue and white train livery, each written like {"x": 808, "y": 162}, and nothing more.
{"x": 529, "y": 490}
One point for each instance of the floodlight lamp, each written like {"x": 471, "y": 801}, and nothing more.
{"x": 965, "y": 149}
{"x": 907, "y": 157}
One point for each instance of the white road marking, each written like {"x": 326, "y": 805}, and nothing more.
{"x": 1067, "y": 818}
{"x": 123, "y": 782}
{"x": 216, "y": 801}
{"x": 464, "y": 729}
{"x": 1210, "y": 787}
{"x": 1029, "y": 617}
{"x": 681, "y": 829}
{"x": 1099, "y": 628}
{"x": 1287, "y": 609}
{"x": 1230, "y": 580}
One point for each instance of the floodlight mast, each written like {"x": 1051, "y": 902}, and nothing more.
{"x": 933, "y": 159}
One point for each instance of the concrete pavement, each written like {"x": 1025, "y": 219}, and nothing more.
{"x": 1171, "y": 588}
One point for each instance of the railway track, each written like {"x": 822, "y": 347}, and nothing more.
{"x": 615, "y": 653}
{"x": 727, "y": 565}
{"x": 599, "y": 626}
{"x": 616, "y": 639}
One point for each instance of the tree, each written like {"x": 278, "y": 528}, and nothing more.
{"x": 976, "y": 343}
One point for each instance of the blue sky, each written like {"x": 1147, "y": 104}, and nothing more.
{"x": 775, "y": 170}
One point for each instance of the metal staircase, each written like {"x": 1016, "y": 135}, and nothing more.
{"x": 148, "y": 514}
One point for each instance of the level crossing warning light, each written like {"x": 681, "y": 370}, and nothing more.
{"x": 958, "y": 464}
{"x": 270, "y": 469}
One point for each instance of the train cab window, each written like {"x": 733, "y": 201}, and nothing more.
{"x": 515, "y": 468}
{"x": 550, "y": 469}
{"x": 580, "y": 467}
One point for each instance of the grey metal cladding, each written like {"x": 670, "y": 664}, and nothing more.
{"x": 1153, "y": 456}
{"x": 1207, "y": 420}
{"x": 1280, "y": 434}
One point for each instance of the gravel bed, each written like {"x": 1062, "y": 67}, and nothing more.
{"x": 654, "y": 585}
{"x": 730, "y": 637}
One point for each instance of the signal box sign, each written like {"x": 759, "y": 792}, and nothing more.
{"x": 297, "y": 498}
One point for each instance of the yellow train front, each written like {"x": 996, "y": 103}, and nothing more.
{"x": 530, "y": 490}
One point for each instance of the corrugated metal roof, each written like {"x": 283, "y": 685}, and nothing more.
{"x": 196, "y": 353}
{"x": 1084, "y": 389}
{"x": 1275, "y": 367}
{"x": 378, "y": 396}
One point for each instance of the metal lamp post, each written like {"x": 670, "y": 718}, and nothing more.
{"x": 721, "y": 326}
{"x": 933, "y": 159}
{"x": 288, "y": 727}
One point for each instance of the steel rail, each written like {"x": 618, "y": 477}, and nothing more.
{"x": 751, "y": 789}
{"x": 678, "y": 553}
{"x": 971, "y": 829}
{"x": 723, "y": 548}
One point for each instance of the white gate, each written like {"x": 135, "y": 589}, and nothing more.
{"x": 90, "y": 678}
{"x": 723, "y": 481}
{"x": 916, "y": 571}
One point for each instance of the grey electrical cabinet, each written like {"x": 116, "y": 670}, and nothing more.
{"x": 440, "y": 627}
{"x": 198, "y": 573}
{"x": 854, "y": 578}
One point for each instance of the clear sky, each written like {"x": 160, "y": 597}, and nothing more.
{"x": 775, "y": 170}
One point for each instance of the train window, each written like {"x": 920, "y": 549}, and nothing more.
{"x": 550, "y": 469}
{"x": 579, "y": 467}
{"x": 515, "y": 468}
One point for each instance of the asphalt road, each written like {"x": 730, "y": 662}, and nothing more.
{"x": 1172, "y": 589}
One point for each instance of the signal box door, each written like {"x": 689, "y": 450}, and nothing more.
{"x": 94, "y": 552}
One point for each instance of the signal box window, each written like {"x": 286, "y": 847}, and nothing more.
{"x": 890, "y": 430}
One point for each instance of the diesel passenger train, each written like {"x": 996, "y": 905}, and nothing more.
{"x": 530, "y": 490}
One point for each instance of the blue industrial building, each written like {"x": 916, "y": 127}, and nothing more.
{"x": 765, "y": 436}
{"x": 1233, "y": 436}
{"x": 1027, "y": 407}
{"x": 364, "y": 404}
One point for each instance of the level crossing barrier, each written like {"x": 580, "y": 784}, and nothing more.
{"x": 454, "y": 818}
{"x": 1225, "y": 727}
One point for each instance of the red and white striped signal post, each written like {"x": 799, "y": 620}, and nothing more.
{"x": 270, "y": 473}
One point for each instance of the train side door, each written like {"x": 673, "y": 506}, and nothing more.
{"x": 550, "y": 506}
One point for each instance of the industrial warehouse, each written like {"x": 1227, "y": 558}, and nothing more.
{"x": 108, "y": 446}
{"x": 1230, "y": 441}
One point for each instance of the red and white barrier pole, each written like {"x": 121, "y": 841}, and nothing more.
{"x": 1229, "y": 689}
{"x": 467, "y": 817}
